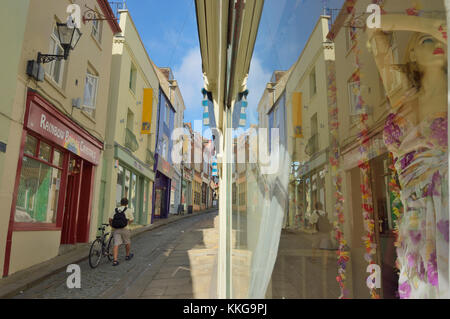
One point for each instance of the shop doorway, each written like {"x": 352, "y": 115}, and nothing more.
{"x": 161, "y": 203}
{"x": 384, "y": 221}
{"x": 77, "y": 206}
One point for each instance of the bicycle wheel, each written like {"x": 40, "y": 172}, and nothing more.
{"x": 110, "y": 248}
{"x": 95, "y": 253}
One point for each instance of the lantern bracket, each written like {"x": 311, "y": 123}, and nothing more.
{"x": 92, "y": 15}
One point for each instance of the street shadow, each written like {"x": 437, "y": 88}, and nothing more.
{"x": 188, "y": 268}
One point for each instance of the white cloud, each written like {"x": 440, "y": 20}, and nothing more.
{"x": 190, "y": 79}
{"x": 256, "y": 84}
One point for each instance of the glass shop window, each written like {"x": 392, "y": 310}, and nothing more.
{"x": 40, "y": 180}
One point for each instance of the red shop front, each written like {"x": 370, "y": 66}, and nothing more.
{"x": 55, "y": 176}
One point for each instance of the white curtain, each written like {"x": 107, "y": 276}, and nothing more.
{"x": 272, "y": 207}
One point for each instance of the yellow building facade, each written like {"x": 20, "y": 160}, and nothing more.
{"x": 129, "y": 155}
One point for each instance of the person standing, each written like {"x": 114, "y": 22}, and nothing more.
{"x": 120, "y": 220}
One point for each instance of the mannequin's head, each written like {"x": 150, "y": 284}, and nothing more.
{"x": 424, "y": 53}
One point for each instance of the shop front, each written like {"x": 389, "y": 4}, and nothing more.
{"x": 134, "y": 181}
{"x": 306, "y": 188}
{"x": 197, "y": 191}
{"x": 53, "y": 190}
{"x": 187, "y": 189}
{"x": 381, "y": 178}
{"x": 175, "y": 192}
{"x": 162, "y": 188}
{"x": 205, "y": 192}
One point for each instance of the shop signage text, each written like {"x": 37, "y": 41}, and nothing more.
{"x": 50, "y": 128}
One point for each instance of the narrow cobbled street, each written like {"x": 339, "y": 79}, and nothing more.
{"x": 160, "y": 267}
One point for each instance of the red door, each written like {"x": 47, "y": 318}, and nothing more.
{"x": 65, "y": 238}
{"x": 68, "y": 231}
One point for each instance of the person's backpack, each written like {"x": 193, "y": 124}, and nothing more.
{"x": 120, "y": 219}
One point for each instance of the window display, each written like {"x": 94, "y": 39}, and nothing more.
{"x": 40, "y": 180}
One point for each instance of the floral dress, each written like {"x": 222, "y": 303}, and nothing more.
{"x": 420, "y": 157}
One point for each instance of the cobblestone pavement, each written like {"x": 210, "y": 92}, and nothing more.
{"x": 159, "y": 269}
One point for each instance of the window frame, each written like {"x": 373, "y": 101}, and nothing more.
{"x": 96, "y": 31}
{"x": 350, "y": 86}
{"x": 91, "y": 110}
{"x": 313, "y": 74}
{"x": 55, "y": 44}
{"x": 41, "y": 226}
{"x": 167, "y": 115}
{"x": 133, "y": 78}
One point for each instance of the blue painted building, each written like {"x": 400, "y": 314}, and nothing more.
{"x": 277, "y": 119}
{"x": 164, "y": 169}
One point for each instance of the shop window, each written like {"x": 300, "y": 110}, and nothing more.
{"x": 57, "y": 158}
{"x": 39, "y": 186}
{"x": 133, "y": 195}
{"x": 145, "y": 201}
{"x": 119, "y": 187}
{"x": 55, "y": 68}
{"x": 129, "y": 186}
{"x": 126, "y": 193}
{"x": 45, "y": 152}
{"x": 30, "y": 145}
{"x": 204, "y": 193}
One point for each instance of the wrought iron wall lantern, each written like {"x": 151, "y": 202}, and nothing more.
{"x": 92, "y": 15}
{"x": 68, "y": 36}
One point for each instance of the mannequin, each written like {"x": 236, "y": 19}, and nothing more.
{"x": 416, "y": 133}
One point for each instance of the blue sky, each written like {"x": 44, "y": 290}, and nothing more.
{"x": 169, "y": 32}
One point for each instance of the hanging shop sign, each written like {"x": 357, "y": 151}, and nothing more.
{"x": 147, "y": 105}
{"x": 54, "y": 130}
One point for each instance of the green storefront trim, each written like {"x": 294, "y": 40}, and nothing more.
{"x": 144, "y": 175}
{"x": 124, "y": 156}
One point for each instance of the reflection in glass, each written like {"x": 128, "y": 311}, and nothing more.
{"x": 119, "y": 185}
{"x": 127, "y": 186}
{"x": 30, "y": 145}
{"x": 363, "y": 171}
{"x": 45, "y": 151}
{"x": 57, "y": 158}
{"x": 133, "y": 195}
{"x": 38, "y": 192}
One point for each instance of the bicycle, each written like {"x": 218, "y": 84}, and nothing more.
{"x": 100, "y": 248}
